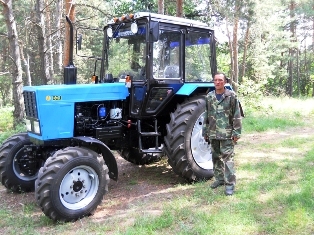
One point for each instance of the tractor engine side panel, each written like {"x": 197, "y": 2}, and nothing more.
{"x": 50, "y": 110}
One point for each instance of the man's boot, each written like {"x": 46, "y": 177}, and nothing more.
{"x": 229, "y": 190}
{"x": 216, "y": 184}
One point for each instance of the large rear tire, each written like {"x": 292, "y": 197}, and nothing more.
{"x": 19, "y": 165}
{"x": 71, "y": 184}
{"x": 188, "y": 153}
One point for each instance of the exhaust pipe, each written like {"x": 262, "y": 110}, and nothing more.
{"x": 70, "y": 71}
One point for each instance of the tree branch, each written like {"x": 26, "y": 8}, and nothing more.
{"x": 95, "y": 8}
{"x": 4, "y": 35}
{"x": 4, "y": 73}
{"x": 47, "y": 6}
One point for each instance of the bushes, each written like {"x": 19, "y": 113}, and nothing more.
{"x": 6, "y": 124}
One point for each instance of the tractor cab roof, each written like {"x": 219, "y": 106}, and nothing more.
{"x": 158, "y": 18}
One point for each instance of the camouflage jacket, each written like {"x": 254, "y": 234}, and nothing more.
{"x": 223, "y": 117}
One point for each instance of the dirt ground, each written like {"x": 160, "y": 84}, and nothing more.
{"x": 139, "y": 183}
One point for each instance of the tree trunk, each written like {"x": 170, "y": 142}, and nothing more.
{"x": 42, "y": 42}
{"x": 246, "y": 42}
{"x": 235, "y": 53}
{"x": 26, "y": 66}
{"x": 291, "y": 50}
{"x": 161, "y": 7}
{"x": 17, "y": 82}
{"x": 49, "y": 52}
{"x": 70, "y": 12}
{"x": 298, "y": 73}
{"x": 59, "y": 48}
{"x": 179, "y": 8}
{"x": 231, "y": 52}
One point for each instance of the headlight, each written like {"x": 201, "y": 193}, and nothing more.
{"x": 36, "y": 127}
{"x": 109, "y": 32}
{"x": 134, "y": 28}
{"x": 28, "y": 125}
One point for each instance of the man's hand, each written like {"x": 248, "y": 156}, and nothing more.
{"x": 235, "y": 139}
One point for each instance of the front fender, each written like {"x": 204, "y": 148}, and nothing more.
{"x": 109, "y": 158}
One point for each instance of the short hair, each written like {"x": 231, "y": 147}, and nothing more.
{"x": 224, "y": 75}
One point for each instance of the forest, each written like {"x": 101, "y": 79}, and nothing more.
{"x": 264, "y": 47}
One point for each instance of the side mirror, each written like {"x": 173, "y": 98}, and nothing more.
{"x": 154, "y": 31}
{"x": 79, "y": 42}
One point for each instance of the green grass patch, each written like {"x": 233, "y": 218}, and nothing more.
{"x": 261, "y": 124}
{"x": 272, "y": 113}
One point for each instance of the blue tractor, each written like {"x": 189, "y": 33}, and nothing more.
{"x": 146, "y": 101}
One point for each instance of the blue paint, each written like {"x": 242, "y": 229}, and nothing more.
{"x": 55, "y": 105}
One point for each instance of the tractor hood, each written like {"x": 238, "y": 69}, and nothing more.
{"x": 78, "y": 92}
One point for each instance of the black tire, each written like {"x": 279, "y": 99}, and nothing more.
{"x": 71, "y": 184}
{"x": 134, "y": 156}
{"x": 188, "y": 153}
{"x": 18, "y": 164}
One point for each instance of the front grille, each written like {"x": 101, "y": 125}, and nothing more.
{"x": 30, "y": 104}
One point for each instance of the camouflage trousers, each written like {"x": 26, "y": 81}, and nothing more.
{"x": 223, "y": 154}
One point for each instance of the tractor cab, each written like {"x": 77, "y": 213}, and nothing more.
{"x": 155, "y": 55}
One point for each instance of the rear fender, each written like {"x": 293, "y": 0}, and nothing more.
{"x": 109, "y": 158}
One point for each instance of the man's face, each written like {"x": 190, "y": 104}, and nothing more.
{"x": 219, "y": 82}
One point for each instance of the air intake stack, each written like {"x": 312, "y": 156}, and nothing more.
{"x": 70, "y": 71}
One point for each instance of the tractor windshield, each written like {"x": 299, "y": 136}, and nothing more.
{"x": 127, "y": 53}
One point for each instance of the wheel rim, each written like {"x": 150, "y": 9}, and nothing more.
{"x": 25, "y": 166}
{"x": 79, "y": 187}
{"x": 201, "y": 150}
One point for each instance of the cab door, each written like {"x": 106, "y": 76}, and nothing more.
{"x": 165, "y": 75}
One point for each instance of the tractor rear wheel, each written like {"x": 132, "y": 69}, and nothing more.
{"x": 71, "y": 184}
{"x": 19, "y": 165}
{"x": 188, "y": 153}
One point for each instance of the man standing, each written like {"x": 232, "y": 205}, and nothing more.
{"x": 222, "y": 129}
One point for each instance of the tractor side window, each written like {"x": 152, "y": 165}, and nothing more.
{"x": 166, "y": 55}
{"x": 197, "y": 57}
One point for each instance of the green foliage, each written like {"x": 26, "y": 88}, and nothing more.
{"x": 6, "y": 119}
{"x": 6, "y": 124}
{"x": 5, "y": 90}
{"x": 125, "y": 7}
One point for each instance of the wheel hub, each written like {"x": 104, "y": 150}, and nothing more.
{"x": 78, "y": 187}
{"x": 25, "y": 164}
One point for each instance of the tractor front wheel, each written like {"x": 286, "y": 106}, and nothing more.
{"x": 71, "y": 184}
{"x": 188, "y": 153}
{"x": 19, "y": 164}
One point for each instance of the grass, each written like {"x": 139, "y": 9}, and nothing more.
{"x": 277, "y": 113}
{"x": 274, "y": 191}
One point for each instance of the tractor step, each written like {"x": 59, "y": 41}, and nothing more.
{"x": 151, "y": 151}
{"x": 154, "y": 133}
{"x": 149, "y": 134}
